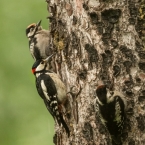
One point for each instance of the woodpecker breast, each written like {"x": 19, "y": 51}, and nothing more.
{"x": 61, "y": 89}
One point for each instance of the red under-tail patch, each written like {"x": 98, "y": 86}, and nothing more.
{"x": 33, "y": 70}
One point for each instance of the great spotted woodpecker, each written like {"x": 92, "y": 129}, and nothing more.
{"x": 51, "y": 89}
{"x": 111, "y": 109}
{"x": 38, "y": 41}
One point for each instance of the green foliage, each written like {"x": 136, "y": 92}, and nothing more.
{"x": 24, "y": 119}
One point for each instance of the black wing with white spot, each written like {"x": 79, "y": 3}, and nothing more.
{"x": 48, "y": 92}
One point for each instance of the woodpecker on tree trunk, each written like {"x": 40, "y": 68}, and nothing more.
{"x": 38, "y": 41}
{"x": 111, "y": 108}
{"x": 51, "y": 89}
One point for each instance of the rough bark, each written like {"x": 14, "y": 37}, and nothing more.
{"x": 99, "y": 40}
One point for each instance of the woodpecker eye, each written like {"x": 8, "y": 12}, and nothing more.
{"x": 42, "y": 62}
{"x": 31, "y": 29}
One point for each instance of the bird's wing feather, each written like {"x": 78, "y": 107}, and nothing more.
{"x": 48, "y": 93}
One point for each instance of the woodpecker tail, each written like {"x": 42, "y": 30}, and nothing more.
{"x": 64, "y": 124}
{"x": 57, "y": 115}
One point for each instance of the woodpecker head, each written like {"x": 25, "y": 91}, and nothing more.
{"x": 32, "y": 29}
{"x": 41, "y": 65}
{"x": 101, "y": 93}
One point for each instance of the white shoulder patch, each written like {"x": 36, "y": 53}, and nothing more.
{"x": 44, "y": 90}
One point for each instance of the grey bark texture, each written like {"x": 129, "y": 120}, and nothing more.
{"x": 99, "y": 40}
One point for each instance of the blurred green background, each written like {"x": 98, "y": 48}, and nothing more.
{"x": 24, "y": 120}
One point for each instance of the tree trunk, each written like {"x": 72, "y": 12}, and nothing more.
{"x": 99, "y": 40}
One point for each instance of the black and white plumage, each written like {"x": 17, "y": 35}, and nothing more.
{"x": 38, "y": 41}
{"x": 51, "y": 89}
{"x": 111, "y": 108}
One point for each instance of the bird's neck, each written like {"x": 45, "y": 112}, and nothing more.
{"x": 38, "y": 73}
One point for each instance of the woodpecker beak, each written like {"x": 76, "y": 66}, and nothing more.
{"x": 38, "y": 24}
{"x": 36, "y": 28}
{"x": 49, "y": 57}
